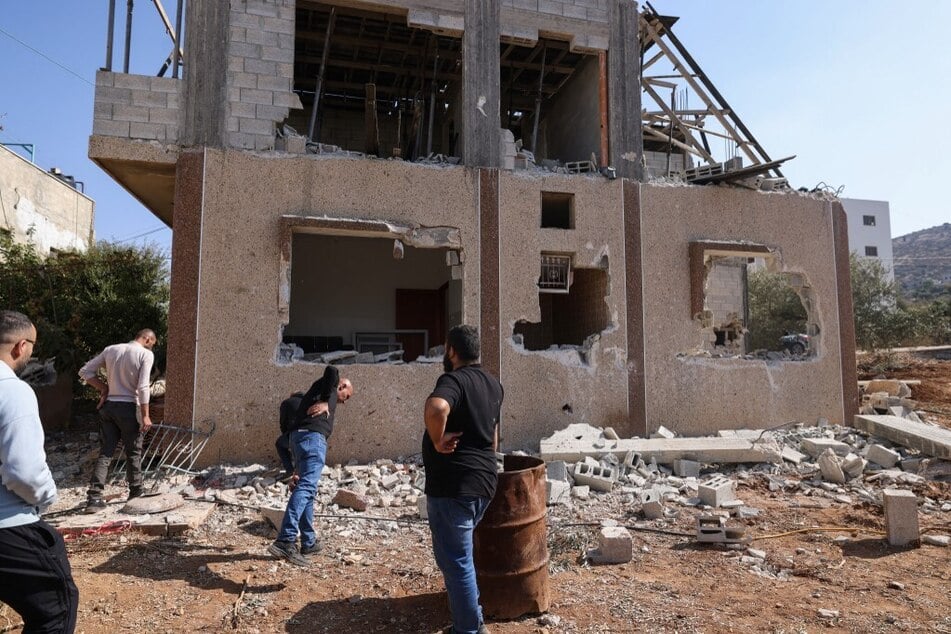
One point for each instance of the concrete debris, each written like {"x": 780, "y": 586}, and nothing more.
{"x": 149, "y": 504}
{"x": 901, "y": 516}
{"x": 828, "y": 614}
{"x": 831, "y": 467}
{"x": 936, "y": 540}
{"x": 713, "y": 529}
{"x": 615, "y": 546}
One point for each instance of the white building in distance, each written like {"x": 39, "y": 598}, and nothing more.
{"x": 870, "y": 232}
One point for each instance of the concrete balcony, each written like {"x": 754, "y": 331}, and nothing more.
{"x": 135, "y": 135}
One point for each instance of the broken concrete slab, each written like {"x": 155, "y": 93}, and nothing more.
{"x": 687, "y": 468}
{"x": 559, "y": 492}
{"x": 893, "y": 387}
{"x": 815, "y": 446}
{"x": 149, "y": 504}
{"x": 928, "y": 439}
{"x": 791, "y": 455}
{"x": 186, "y": 517}
{"x": 662, "y": 450}
{"x": 663, "y": 432}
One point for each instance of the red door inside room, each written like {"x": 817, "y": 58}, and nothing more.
{"x": 420, "y": 309}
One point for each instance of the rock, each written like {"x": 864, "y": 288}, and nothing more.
{"x": 828, "y": 614}
{"x": 936, "y": 540}
{"x": 273, "y": 515}
{"x": 581, "y": 492}
{"x": 753, "y": 552}
{"x": 351, "y": 500}
{"x": 549, "y": 620}
{"x": 896, "y": 585}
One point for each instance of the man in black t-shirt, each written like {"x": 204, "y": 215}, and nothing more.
{"x": 462, "y": 424}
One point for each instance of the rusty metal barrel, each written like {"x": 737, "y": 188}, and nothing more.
{"x": 511, "y": 543}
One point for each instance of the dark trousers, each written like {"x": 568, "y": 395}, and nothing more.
{"x": 117, "y": 422}
{"x": 35, "y": 578}
{"x": 283, "y": 446}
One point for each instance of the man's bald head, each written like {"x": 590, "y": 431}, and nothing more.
{"x": 344, "y": 390}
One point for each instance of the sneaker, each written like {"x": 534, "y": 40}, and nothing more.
{"x": 288, "y": 551}
{"x": 94, "y": 505}
{"x": 313, "y": 549}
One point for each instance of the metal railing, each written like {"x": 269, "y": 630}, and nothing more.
{"x": 174, "y": 60}
{"x": 168, "y": 449}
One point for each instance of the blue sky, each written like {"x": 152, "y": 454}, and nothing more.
{"x": 857, "y": 89}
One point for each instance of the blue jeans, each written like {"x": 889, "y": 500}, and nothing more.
{"x": 310, "y": 450}
{"x": 451, "y": 521}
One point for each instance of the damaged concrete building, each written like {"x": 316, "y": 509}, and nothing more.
{"x": 347, "y": 180}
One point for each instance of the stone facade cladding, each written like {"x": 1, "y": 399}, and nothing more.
{"x": 137, "y": 107}
{"x": 260, "y": 71}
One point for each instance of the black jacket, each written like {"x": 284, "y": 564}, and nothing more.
{"x": 324, "y": 390}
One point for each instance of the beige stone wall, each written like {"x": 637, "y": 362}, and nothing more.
{"x": 39, "y": 207}
{"x": 538, "y": 385}
{"x": 239, "y": 382}
{"x": 696, "y": 395}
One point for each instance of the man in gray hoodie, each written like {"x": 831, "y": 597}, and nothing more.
{"x": 35, "y": 577}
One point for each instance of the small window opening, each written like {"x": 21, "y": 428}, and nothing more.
{"x": 568, "y": 319}
{"x": 352, "y": 301}
{"x": 558, "y": 210}
{"x": 868, "y": 221}
{"x": 871, "y": 252}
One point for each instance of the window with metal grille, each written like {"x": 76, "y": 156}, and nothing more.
{"x": 871, "y": 252}
{"x": 868, "y": 221}
{"x": 556, "y": 274}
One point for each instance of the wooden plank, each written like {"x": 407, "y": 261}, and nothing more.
{"x": 372, "y": 127}
{"x": 928, "y": 439}
{"x": 665, "y": 451}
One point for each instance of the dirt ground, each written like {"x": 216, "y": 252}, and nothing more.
{"x": 379, "y": 576}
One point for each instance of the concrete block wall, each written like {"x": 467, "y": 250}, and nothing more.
{"x": 725, "y": 289}
{"x": 260, "y": 75}
{"x": 589, "y": 10}
{"x": 137, "y": 107}
{"x": 657, "y": 164}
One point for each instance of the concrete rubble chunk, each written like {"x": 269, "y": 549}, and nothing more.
{"x": 614, "y": 547}
{"x": 713, "y": 529}
{"x": 581, "y": 492}
{"x": 273, "y": 515}
{"x": 717, "y": 490}
{"x": 663, "y": 450}
{"x": 853, "y": 465}
{"x": 346, "y": 498}
{"x": 687, "y": 468}
{"x": 831, "y": 467}
{"x": 892, "y": 387}
{"x": 883, "y": 456}
{"x": 559, "y": 492}
{"x": 663, "y": 432}
{"x": 598, "y": 478}
{"x": 936, "y": 540}
{"x": 815, "y": 446}
{"x": 791, "y": 455}
{"x": 901, "y": 516}
{"x": 557, "y": 470}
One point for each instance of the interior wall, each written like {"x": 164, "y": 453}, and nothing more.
{"x": 572, "y": 123}
{"x": 695, "y": 395}
{"x": 342, "y": 284}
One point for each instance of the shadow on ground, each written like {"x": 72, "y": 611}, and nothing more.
{"x": 417, "y": 614}
{"x": 166, "y": 561}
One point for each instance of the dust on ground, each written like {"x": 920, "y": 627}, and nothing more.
{"x": 379, "y": 576}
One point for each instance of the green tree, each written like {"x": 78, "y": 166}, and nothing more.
{"x": 774, "y": 309}
{"x": 881, "y": 320}
{"x": 82, "y": 302}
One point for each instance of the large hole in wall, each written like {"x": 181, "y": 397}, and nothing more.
{"x": 568, "y": 320}
{"x": 753, "y": 309}
{"x": 369, "y": 300}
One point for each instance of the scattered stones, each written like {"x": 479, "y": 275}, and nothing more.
{"x": 936, "y": 540}
{"x": 351, "y": 500}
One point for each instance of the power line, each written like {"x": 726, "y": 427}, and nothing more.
{"x": 141, "y": 235}
{"x": 46, "y": 57}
